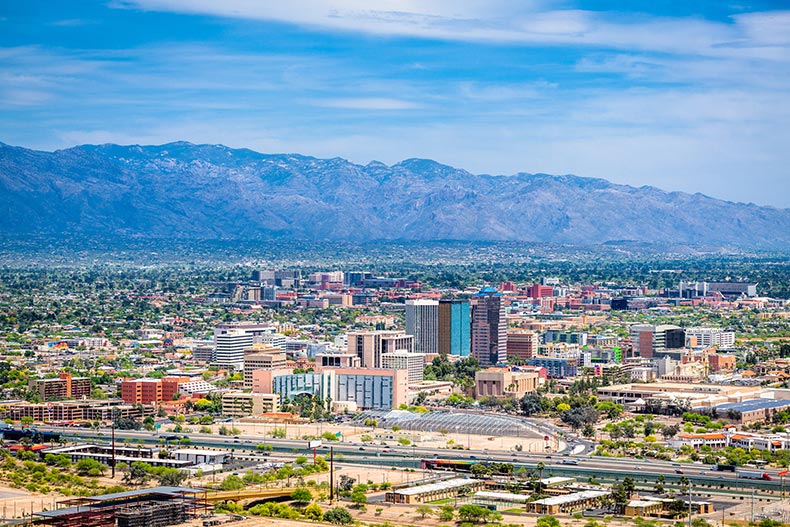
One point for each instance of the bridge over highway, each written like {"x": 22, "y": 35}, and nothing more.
{"x": 247, "y": 496}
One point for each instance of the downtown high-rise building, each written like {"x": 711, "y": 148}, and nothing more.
{"x": 648, "y": 340}
{"x": 422, "y": 321}
{"x": 489, "y": 327}
{"x": 454, "y": 326}
{"x": 370, "y": 346}
{"x": 232, "y": 338}
{"x": 230, "y": 344}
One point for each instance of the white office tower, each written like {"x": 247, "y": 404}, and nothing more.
{"x": 422, "y": 321}
{"x": 718, "y": 337}
{"x": 230, "y": 344}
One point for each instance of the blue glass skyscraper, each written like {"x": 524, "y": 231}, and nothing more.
{"x": 454, "y": 327}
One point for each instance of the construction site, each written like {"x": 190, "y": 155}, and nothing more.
{"x": 154, "y": 507}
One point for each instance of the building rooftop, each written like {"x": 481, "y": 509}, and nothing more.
{"x": 557, "y": 480}
{"x": 753, "y": 404}
{"x": 502, "y": 496}
{"x": 201, "y": 452}
{"x": 643, "y": 503}
{"x": 93, "y": 502}
{"x": 575, "y": 496}
{"x": 488, "y": 290}
{"x": 442, "y": 485}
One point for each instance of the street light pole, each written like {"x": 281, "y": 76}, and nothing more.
{"x": 112, "y": 416}
{"x": 331, "y": 475}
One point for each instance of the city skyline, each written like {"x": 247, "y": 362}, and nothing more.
{"x": 688, "y": 98}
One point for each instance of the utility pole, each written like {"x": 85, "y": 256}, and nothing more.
{"x": 331, "y": 475}
{"x": 752, "y": 504}
{"x": 112, "y": 464}
{"x": 689, "y": 504}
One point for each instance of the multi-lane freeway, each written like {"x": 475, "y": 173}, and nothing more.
{"x": 600, "y": 468}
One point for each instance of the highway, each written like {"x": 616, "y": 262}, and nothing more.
{"x": 604, "y": 469}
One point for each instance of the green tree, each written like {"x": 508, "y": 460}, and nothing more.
{"x": 447, "y": 513}
{"x": 171, "y": 477}
{"x": 424, "y": 510}
{"x": 473, "y": 513}
{"x": 338, "y": 516}
{"x": 313, "y": 512}
{"x": 659, "y": 486}
{"x": 358, "y": 498}
{"x": 231, "y": 482}
{"x": 90, "y": 467}
{"x": 629, "y": 485}
{"x": 541, "y": 467}
{"x": 138, "y": 473}
{"x": 302, "y": 496}
{"x": 547, "y": 521}
{"x": 620, "y": 496}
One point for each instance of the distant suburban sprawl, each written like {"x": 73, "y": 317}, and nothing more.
{"x": 454, "y": 391}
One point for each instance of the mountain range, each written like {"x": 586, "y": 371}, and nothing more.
{"x": 187, "y": 191}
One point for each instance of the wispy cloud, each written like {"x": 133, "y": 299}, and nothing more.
{"x": 495, "y": 86}
{"x": 71, "y": 22}
{"x": 366, "y": 103}
{"x": 503, "y": 22}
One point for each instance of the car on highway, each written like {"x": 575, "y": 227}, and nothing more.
{"x": 570, "y": 462}
{"x": 472, "y": 457}
{"x": 678, "y": 471}
{"x": 362, "y": 448}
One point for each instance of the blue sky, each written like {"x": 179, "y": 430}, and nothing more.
{"x": 690, "y": 96}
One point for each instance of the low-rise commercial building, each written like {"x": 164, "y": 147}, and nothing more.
{"x": 569, "y": 503}
{"x": 141, "y": 391}
{"x": 435, "y": 491}
{"x": 85, "y": 410}
{"x": 196, "y": 456}
{"x": 504, "y": 382}
{"x": 262, "y": 357}
{"x": 123, "y": 454}
{"x": 240, "y": 404}
{"x": 643, "y": 508}
{"x": 63, "y": 387}
{"x": 366, "y": 388}
{"x": 557, "y": 368}
{"x": 522, "y": 344}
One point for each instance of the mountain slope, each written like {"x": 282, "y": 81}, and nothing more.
{"x": 210, "y": 191}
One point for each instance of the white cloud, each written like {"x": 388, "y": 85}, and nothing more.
{"x": 508, "y": 21}
{"x": 365, "y": 103}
